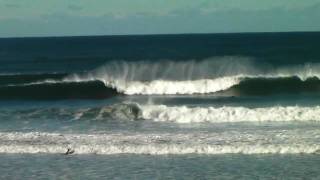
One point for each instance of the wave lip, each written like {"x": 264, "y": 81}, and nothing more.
{"x": 282, "y": 142}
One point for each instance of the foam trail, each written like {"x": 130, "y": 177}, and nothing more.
{"x": 184, "y": 114}
{"x": 275, "y": 142}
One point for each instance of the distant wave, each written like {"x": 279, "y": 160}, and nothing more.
{"x": 270, "y": 142}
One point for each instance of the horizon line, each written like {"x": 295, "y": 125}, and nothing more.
{"x": 156, "y": 34}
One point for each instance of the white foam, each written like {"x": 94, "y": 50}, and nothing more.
{"x": 276, "y": 142}
{"x": 202, "y": 86}
{"x": 184, "y": 114}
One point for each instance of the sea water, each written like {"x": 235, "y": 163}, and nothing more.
{"x": 210, "y": 106}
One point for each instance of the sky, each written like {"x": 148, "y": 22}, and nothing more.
{"x": 21, "y": 18}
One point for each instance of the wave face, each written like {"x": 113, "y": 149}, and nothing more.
{"x": 273, "y": 142}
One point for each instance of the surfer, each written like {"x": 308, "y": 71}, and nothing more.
{"x": 69, "y": 151}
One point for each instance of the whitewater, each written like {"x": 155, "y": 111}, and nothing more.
{"x": 272, "y": 142}
{"x": 183, "y": 114}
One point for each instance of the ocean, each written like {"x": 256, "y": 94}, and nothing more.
{"x": 189, "y": 106}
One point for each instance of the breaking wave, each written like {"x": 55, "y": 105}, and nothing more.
{"x": 203, "y": 77}
{"x": 232, "y": 76}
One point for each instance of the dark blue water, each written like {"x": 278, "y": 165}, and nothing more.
{"x": 209, "y": 103}
{"x": 74, "y": 54}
